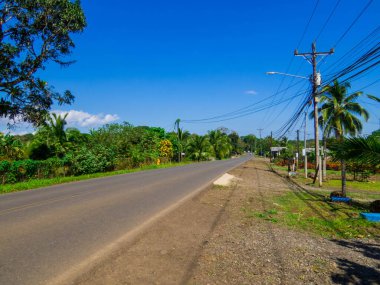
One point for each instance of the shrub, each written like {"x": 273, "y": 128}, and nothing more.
{"x": 87, "y": 161}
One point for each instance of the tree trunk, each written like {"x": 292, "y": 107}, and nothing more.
{"x": 324, "y": 163}
{"x": 340, "y": 138}
{"x": 343, "y": 164}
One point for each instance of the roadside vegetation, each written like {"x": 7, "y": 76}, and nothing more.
{"x": 56, "y": 154}
{"x": 312, "y": 211}
{"x": 350, "y": 168}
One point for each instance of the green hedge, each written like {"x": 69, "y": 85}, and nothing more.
{"x": 23, "y": 170}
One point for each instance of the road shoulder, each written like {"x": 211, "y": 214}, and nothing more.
{"x": 210, "y": 240}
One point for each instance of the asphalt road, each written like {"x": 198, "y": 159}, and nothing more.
{"x": 49, "y": 231}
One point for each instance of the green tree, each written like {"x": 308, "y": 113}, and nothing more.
{"x": 199, "y": 147}
{"x": 56, "y": 127}
{"x": 220, "y": 143}
{"x": 32, "y": 34}
{"x": 75, "y": 137}
{"x": 237, "y": 143}
{"x": 360, "y": 149}
{"x": 10, "y": 148}
{"x": 182, "y": 137}
{"x": 250, "y": 142}
{"x": 340, "y": 114}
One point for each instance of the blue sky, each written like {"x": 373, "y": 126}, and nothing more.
{"x": 151, "y": 62}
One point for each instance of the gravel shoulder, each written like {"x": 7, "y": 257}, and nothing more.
{"x": 210, "y": 240}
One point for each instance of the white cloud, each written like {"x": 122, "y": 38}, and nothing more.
{"x": 14, "y": 127}
{"x": 250, "y": 92}
{"x": 74, "y": 118}
{"x": 84, "y": 119}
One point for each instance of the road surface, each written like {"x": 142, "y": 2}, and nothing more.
{"x": 50, "y": 232}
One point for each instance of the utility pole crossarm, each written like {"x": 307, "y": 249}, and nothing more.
{"x": 296, "y": 53}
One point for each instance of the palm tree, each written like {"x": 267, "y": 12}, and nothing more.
{"x": 199, "y": 147}
{"x": 56, "y": 127}
{"x": 340, "y": 114}
{"x": 220, "y": 143}
{"x": 360, "y": 149}
{"x": 182, "y": 136}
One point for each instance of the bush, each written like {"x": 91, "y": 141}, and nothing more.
{"x": 87, "y": 161}
{"x": 23, "y": 170}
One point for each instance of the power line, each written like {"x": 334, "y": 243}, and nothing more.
{"x": 360, "y": 46}
{"x": 365, "y": 62}
{"x": 308, "y": 24}
{"x": 305, "y": 106}
{"x": 327, "y": 20}
{"x": 239, "y": 111}
{"x": 243, "y": 114}
{"x": 285, "y": 107}
{"x": 353, "y": 23}
{"x": 291, "y": 61}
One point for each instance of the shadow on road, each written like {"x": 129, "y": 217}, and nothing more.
{"x": 355, "y": 273}
{"x": 368, "y": 250}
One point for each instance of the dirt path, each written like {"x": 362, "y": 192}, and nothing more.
{"x": 209, "y": 240}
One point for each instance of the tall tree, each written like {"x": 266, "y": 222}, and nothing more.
{"x": 237, "y": 143}
{"x": 250, "y": 142}
{"x": 341, "y": 114}
{"x": 199, "y": 147}
{"x": 360, "y": 149}
{"x": 182, "y": 136}
{"x": 220, "y": 143}
{"x": 33, "y": 33}
{"x": 56, "y": 127}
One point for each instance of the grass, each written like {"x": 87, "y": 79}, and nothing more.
{"x": 38, "y": 183}
{"x": 357, "y": 185}
{"x": 335, "y": 184}
{"x": 312, "y": 212}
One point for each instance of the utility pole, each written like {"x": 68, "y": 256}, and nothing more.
{"x": 311, "y": 57}
{"x": 304, "y": 145}
{"x": 298, "y": 147}
{"x": 270, "y": 145}
{"x": 261, "y": 143}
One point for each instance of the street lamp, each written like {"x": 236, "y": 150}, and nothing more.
{"x": 287, "y": 74}
{"x": 318, "y": 80}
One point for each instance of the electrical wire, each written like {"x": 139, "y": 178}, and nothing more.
{"x": 353, "y": 23}
{"x": 327, "y": 20}
{"x": 373, "y": 36}
{"x": 265, "y": 117}
{"x": 241, "y": 109}
{"x": 244, "y": 113}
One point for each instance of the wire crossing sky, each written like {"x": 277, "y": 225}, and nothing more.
{"x": 151, "y": 62}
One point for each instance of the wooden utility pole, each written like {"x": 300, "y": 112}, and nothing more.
{"x": 304, "y": 142}
{"x": 261, "y": 143}
{"x": 298, "y": 147}
{"x": 311, "y": 57}
{"x": 270, "y": 145}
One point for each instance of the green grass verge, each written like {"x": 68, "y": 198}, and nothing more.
{"x": 312, "y": 212}
{"x": 357, "y": 185}
{"x": 38, "y": 183}
{"x": 334, "y": 184}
